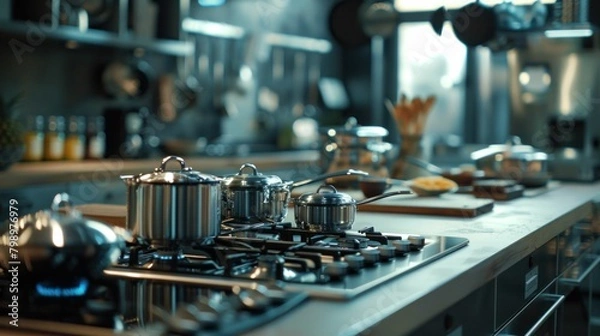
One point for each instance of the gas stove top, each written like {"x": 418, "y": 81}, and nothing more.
{"x": 249, "y": 275}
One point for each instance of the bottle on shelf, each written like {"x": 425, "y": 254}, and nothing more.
{"x": 96, "y": 138}
{"x": 54, "y": 140}
{"x": 75, "y": 139}
{"x": 34, "y": 139}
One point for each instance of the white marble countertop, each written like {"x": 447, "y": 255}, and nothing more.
{"x": 497, "y": 240}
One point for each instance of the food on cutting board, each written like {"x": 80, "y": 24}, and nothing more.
{"x": 434, "y": 183}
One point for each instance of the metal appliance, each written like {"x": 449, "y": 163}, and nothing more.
{"x": 244, "y": 278}
{"x": 554, "y": 93}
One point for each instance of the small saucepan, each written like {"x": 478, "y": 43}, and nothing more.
{"x": 328, "y": 210}
{"x": 249, "y": 196}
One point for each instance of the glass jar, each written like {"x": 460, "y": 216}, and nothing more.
{"x": 96, "y": 138}
{"x": 34, "y": 139}
{"x": 54, "y": 140}
{"x": 75, "y": 140}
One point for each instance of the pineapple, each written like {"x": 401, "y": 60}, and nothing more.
{"x": 12, "y": 144}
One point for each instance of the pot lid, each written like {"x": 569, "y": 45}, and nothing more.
{"x": 325, "y": 195}
{"x": 512, "y": 148}
{"x": 352, "y": 128}
{"x": 186, "y": 175}
{"x": 61, "y": 227}
{"x": 253, "y": 179}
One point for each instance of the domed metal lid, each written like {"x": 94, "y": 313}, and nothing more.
{"x": 254, "y": 179}
{"x": 60, "y": 227}
{"x": 325, "y": 195}
{"x": 513, "y": 148}
{"x": 186, "y": 175}
{"x": 352, "y": 128}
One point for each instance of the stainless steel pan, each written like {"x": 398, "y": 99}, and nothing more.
{"x": 250, "y": 197}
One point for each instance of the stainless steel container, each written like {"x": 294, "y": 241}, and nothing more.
{"x": 250, "y": 196}
{"x": 168, "y": 206}
{"x": 328, "y": 210}
{"x": 514, "y": 161}
{"x": 59, "y": 242}
{"x": 355, "y": 146}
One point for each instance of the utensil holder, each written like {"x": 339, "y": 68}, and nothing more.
{"x": 410, "y": 145}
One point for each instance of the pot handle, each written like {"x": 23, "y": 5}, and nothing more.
{"x": 326, "y": 176}
{"x": 384, "y": 195}
{"x": 163, "y": 164}
{"x": 248, "y": 165}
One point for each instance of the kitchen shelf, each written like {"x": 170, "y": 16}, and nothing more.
{"x": 102, "y": 38}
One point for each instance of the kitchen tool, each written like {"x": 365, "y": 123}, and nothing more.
{"x": 428, "y": 186}
{"x": 515, "y": 161}
{"x": 168, "y": 206}
{"x": 345, "y": 25}
{"x": 126, "y": 79}
{"x": 254, "y": 197}
{"x": 474, "y": 24}
{"x": 354, "y": 146}
{"x": 328, "y": 210}
{"x": 99, "y": 11}
{"x": 59, "y": 242}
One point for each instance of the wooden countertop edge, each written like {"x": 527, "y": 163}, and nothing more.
{"x": 27, "y": 174}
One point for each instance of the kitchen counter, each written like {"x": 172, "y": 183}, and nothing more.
{"x": 511, "y": 232}
{"x": 27, "y": 174}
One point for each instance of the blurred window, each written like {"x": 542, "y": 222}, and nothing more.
{"x": 429, "y": 64}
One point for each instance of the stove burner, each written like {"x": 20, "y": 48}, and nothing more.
{"x": 66, "y": 288}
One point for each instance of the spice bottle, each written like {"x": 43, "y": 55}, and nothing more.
{"x": 34, "y": 139}
{"x": 54, "y": 140}
{"x": 96, "y": 138}
{"x": 75, "y": 140}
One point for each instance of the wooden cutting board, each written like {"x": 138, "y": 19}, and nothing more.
{"x": 445, "y": 205}
{"x": 453, "y": 205}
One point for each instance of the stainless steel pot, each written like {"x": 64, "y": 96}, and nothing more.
{"x": 59, "y": 242}
{"x": 359, "y": 147}
{"x": 250, "y": 197}
{"x": 328, "y": 210}
{"x": 168, "y": 206}
{"x": 514, "y": 161}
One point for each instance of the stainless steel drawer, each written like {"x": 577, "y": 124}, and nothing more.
{"x": 541, "y": 316}
{"x": 523, "y": 281}
{"x": 582, "y": 306}
{"x": 473, "y": 315}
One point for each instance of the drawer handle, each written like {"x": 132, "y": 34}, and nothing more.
{"x": 591, "y": 267}
{"x": 558, "y": 300}
{"x": 550, "y": 297}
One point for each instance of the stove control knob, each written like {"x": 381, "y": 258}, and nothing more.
{"x": 387, "y": 252}
{"x": 417, "y": 242}
{"x": 371, "y": 255}
{"x": 355, "y": 262}
{"x": 183, "y": 322}
{"x": 402, "y": 246}
{"x": 336, "y": 269}
{"x": 251, "y": 299}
